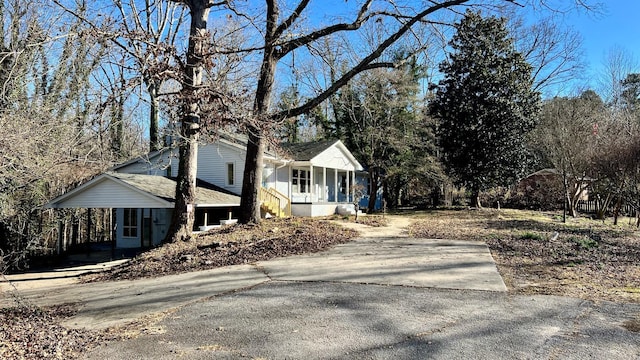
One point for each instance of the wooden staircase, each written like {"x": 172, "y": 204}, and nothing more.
{"x": 275, "y": 203}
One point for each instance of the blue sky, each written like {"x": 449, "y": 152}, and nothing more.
{"x": 615, "y": 25}
{"x": 618, "y": 25}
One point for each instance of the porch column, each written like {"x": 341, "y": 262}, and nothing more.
{"x": 353, "y": 181}
{"x": 337, "y": 189}
{"x": 347, "y": 191}
{"x": 311, "y": 183}
{"x": 324, "y": 184}
{"x": 289, "y": 180}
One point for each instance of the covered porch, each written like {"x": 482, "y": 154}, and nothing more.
{"x": 317, "y": 191}
{"x": 321, "y": 177}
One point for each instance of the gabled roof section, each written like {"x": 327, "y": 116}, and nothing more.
{"x": 121, "y": 190}
{"x": 326, "y": 153}
{"x": 544, "y": 172}
{"x": 308, "y": 150}
{"x": 148, "y": 158}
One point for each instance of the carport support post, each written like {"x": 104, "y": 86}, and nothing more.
{"x": 88, "y": 231}
{"x": 60, "y": 237}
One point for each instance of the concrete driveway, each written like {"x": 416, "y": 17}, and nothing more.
{"x": 382, "y": 296}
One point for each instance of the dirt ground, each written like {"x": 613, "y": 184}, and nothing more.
{"x": 536, "y": 253}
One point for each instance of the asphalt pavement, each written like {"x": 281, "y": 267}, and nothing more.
{"x": 383, "y": 296}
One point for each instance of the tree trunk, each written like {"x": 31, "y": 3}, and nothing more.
{"x": 475, "y": 199}
{"x": 250, "y": 200}
{"x": 573, "y": 206}
{"x": 616, "y": 210}
{"x": 252, "y": 177}
{"x": 373, "y": 195}
{"x": 184, "y": 209}
{"x": 154, "y": 121}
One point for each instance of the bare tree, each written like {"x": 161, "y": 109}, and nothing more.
{"x": 554, "y": 52}
{"x": 618, "y": 63}
{"x": 148, "y": 34}
{"x": 281, "y": 40}
{"x": 142, "y": 35}
{"x": 47, "y": 118}
{"x": 194, "y": 97}
{"x": 568, "y": 137}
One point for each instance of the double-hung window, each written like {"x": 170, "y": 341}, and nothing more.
{"x": 231, "y": 175}
{"x": 130, "y": 224}
{"x": 301, "y": 181}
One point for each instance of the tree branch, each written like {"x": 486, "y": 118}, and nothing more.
{"x": 293, "y": 44}
{"x": 366, "y": 63}
{"x": 291, "y": 19}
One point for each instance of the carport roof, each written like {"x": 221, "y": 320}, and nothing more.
{"x": 121, "y": 190}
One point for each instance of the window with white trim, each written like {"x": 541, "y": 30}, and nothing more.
{"x": 301, "y": 181}
{"x": 231, "y": 174}
{"x": 130, "y": 223}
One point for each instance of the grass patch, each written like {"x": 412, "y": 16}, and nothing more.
{"x": 531, "y": 236}
{"x": 583, "y": 242}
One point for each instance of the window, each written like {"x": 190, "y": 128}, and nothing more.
{"x": 130, "y": 224}
{"x": 231, "y": 175}
{"x": 301, "y": 181}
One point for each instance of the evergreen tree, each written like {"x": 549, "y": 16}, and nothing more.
{"x": 379, "y": 117}
{"x": 485, "y": 106}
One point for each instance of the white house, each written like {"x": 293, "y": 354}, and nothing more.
{"x": 308, "y": 179}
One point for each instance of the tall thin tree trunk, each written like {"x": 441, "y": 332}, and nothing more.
{"x": 154, "y": 121}
{"x": 183, "y": 215}
{"x": 475, "y": 199}
{"x": 185, "y": 200}
{"x": 252, "y": 178}
{"x": 616, "y": 210}
{"x": 250, "y": 201}
{"x": 373, "y": 195}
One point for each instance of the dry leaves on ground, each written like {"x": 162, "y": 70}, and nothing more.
{"x": 538, "y": 254}
{"x": 238, "y": 244}
{"x": 29, "y": 332}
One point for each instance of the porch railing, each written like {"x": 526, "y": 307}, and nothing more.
{"x": 275, "y": 202}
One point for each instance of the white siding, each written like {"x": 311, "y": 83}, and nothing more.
{"x": 313, "y": 209}
{"x": 110, "y": 194}
{"x": 333, "y": 158}
{"x": 282, "y": 181}
{"x": 212, "y": 165}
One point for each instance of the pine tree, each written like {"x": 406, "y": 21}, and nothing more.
{"x": 485, "y": 106}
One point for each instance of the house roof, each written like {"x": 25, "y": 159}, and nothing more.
{"x": 544, "y": 172}
{"x": 555, "y": 172}
{"x": 308, "y": 150}
{"x": 331, "y": 153}
{"x": 238, "y": 141}
{"x": 116, "y": 190}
